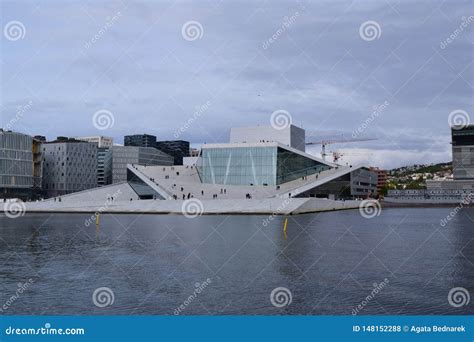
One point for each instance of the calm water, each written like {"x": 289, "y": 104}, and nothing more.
{"x": 329, "y": 262}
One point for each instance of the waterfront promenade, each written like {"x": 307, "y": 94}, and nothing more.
{"x": 270, "y": 206}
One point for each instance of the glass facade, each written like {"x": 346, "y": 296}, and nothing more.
{"x": 292, "y": 166}
{"x": 143, "y": 190}
{"x": 463, "y": 152}
{"x": 254, "y": 166}
{"x": 238, "y": 166}
{"x": 16, "y": 160}
{"x": 120, "y": 156}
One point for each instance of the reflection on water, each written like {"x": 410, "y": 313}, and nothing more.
{"x": 153, "y": 264}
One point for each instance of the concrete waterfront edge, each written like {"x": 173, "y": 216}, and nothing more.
{"x": 272, "y": 206}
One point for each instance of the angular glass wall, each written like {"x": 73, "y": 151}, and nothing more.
{"x": 143, "y": 190}
{"x": 238, "y": 165}
{"x": 292, "y": 166}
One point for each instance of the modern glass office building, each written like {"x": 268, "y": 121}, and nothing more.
{"x": 118, "y": 157}
{"x": 463, "y": 152}
{"x": 178, "y": 149}
{"x": 255, "y": 164}
{"x": 140, "y": 140}
{"x": 20, "y": 164}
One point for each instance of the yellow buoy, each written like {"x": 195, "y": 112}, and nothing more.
{"x": 97, "y": 220}
{"x": 284, "y": 226}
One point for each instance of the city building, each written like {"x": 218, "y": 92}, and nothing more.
{"x": 458, "y": 189}
{"x": 179, "y": 149}
{"x": 259, "y": 170}
{"x": 140, "y": 140}
{"x": 463, "y": 152}
{"x": 104, "y": 144}
{"x": 69, "y": 165}
{"x": 263, "y": 163}
{"x": 20, "y": 165}
{"x": 291, "y": 135}
{"x": 119, "y": 156}
{"x": 101, "y": 141}
{"x": 382, "y": 178}
{"x": 270, "y": 171}
{"x": 194, "y": 152}
{"x": 102, "y": 170}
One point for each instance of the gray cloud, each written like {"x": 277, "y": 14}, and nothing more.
{"x": 318, "y": 68}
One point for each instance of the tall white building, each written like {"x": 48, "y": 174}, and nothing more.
{"x": 291, "y": 136}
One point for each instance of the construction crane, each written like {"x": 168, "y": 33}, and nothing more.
{"x": 338, "y": 155}
{"x": 323, "y": 143}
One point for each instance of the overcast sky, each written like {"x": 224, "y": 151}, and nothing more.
{"x": 198, "y": 68}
